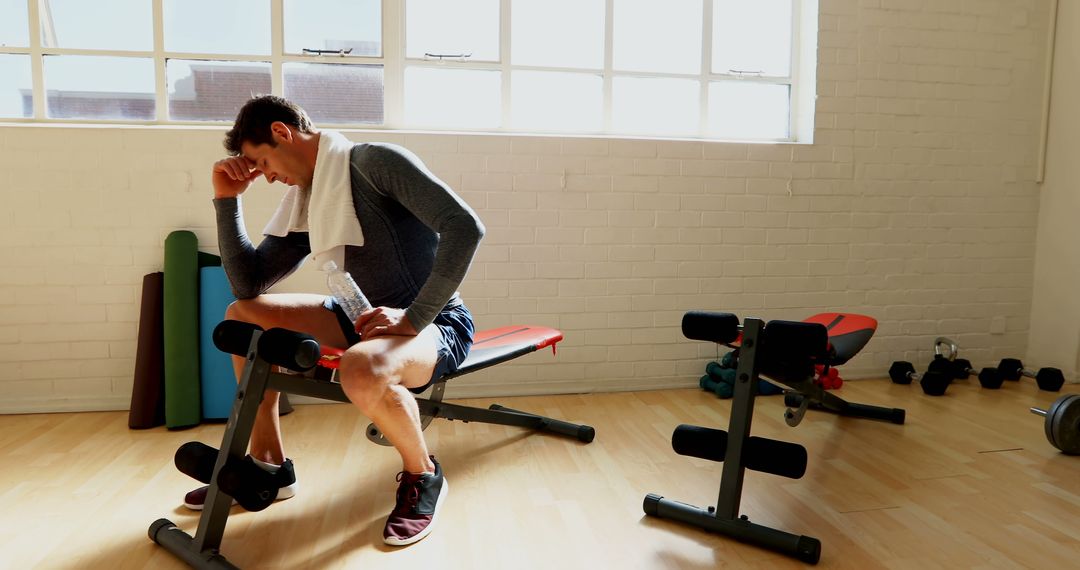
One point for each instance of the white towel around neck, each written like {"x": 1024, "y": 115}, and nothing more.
{"x": 326, "y": 210}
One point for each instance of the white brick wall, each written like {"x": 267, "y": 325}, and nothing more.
{"x": 914, "y": 205}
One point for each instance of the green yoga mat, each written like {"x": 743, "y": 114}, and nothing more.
{"x": 181, "y": 326}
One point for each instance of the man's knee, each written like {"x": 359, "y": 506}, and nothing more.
{"x": 245, "y": 310}
{"x": 364, "y": 376}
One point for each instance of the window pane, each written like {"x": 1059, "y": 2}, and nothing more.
{"x": 657, "y": 36}
{"x": 752, "y": 36}
{"x": 237, "y": 26}
{"x": 14, "y": 24}
{"x": 552, "y": 101}
{"x": 336, "y": 93}
{"x": 102, "y": 24}
{"x": 460, "y": 27}
{"x": 746, "y": 110}
{"x": 655, "y": 106}
{"x": 464, "y": 98}
{"x": 16, "y": 86}
{"x": 213, "y": 90}
{"x": 580, "y": 25}
{"x": 99, "y": 87}
{"x": 334, "y": 24}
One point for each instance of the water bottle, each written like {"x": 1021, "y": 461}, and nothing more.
{"x": 345, "y": 291}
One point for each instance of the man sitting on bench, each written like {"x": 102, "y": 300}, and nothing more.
{"x": 406, "y": 238}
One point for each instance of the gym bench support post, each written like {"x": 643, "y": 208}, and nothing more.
{"x": 202, "y": 550}
{"x": 725, "y": 519}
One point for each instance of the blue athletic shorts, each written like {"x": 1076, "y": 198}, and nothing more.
{"x": 454, "y": 324}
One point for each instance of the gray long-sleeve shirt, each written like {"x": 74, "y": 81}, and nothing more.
{"x": 419, "y": 238}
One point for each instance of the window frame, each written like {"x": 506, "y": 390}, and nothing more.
{"x": 394, "y": 64}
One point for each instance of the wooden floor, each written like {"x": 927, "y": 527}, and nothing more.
{"x": 969, "y": 482}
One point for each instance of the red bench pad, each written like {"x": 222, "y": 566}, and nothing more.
{"x": 490, "y": 347}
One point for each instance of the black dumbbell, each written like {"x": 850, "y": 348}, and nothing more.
{"x": 1049, "y": 379}
{"x": 961, "y": 369}
{"x": 934, "y": 381}
{"x": 988, "y": 377}
{"x": 1063, "y": 423}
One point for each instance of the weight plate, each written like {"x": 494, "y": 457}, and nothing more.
{"x": 1066, "y": 426}
{"x": 1051, "y": 415}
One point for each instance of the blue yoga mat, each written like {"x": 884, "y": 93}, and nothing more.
{"x": 215, "y": 367}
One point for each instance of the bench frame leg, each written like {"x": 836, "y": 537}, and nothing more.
{"x": 724, "y": 518}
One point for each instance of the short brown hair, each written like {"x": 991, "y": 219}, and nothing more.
{"x": 253, "y": 122}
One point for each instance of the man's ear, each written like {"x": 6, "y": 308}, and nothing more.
{"x": 281, "y": 132}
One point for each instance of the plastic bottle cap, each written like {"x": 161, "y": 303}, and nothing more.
{"x": 329, "y": 266}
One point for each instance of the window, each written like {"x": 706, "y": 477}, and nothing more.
{"x": 712, "y": 69}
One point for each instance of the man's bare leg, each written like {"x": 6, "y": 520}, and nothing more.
{"x": 299, "y": 312}
{"x": 376, "y": 375}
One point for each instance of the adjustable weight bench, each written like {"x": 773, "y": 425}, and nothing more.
{"x": 229, "y": 471}
{"x": 785, "y": 353}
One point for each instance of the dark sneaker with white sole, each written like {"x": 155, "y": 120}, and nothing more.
{"x": 287, "y": 484}
{"x": 418, "y": 500}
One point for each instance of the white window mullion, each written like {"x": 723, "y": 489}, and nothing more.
{"x": 161, "y": 82}
{"x": 504, "y": 59}
{"x": 36, "y": 65}
{"x": 393, "y": 16}
{"x": 609, "y": 42}
{"x": 277, "y": 46}
{"x": 793, "y": 72}
{"x": 706, "y": 67}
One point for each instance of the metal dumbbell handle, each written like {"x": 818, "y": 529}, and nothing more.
{"x": 1039, "y": 412}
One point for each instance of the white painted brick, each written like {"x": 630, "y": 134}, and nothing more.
{"x": 632, "y": 253}
{"x": 489, "y": 182}
{"x": 657, "y": 167}
{"x": 533, "y": 218}
{"x": 635, "y": 183}
{"x": 609, "y": 165}
{"x": 585, "y": 147}
{"x": 578, "y": 182}
{"x": 509, "y": 200}
{"x": 514, "y": 164}
{"x": 561, "y": 236}
{"x": 481, "y": 144}
{"x": 631, "y": 219}
{"x": 560, "y": 270}
{"x": 562, "y": 164}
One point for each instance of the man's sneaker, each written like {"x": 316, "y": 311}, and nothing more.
{"x": 287, "y": 484}
{"x": 418, "y": 500}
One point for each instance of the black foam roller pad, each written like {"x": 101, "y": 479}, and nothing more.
{"x": 196, "y": 460}
{"x": 291, "y": 349}
{"x": 700, "y": 442}
{"x": 759, "y": 453}
{"x": 234, "y": 337}
{"x": 721, "y": 328}
{"x": 793, "y": 340}
{"x": 781, "y": 458}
